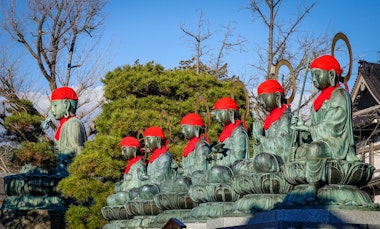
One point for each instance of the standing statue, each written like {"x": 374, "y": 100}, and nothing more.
{"x": 325, "y": 169}
{"x": 71, "y": 135}
{"x": 272, "y": 140}
{"x": 197, "y": 150}
{"x": 133, "y": 173}
{"x": 233, "y": 143}
{"x": 36, "y": 188}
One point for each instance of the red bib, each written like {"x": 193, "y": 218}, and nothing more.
{"x": 274, "y": 116}
{"x": 227, "y": 131}
{"x": 325, "y": 95}
{"x": 61, "y": 122}
{"x": 157, "y": 153}
{"x": 131, "y": 162}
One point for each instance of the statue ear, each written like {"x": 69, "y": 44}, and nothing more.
{"x": 159, "y": 142}
{"x": 332, "y": 77}
{"x": 67, "y": 108}
{"x": 278, "y": 99}
{"x": 197, "y": 131}
{"x": 231, "y": 113}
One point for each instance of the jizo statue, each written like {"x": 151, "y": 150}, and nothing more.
{"x": 71, "y": 135}
{"x": 133, "y": 173}
{"x": 233, "y": 143}
{"x": 272, "y": 139}
{"x": 195, "y": 154}
{"x": 329, "y": 134}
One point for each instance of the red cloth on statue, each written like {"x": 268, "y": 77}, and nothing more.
{"x": 325, "y": 95}
{"x": 64, "y": 93}
{"x": 61, "y": 122}
{"x": 131, "y": 162}
{"x": 191, "y": 146}
{"x": 274, "y": 116}
{"x": 270, "y": 86}
{"x": 227, "y": 131}
{"x": 157, "y": 153}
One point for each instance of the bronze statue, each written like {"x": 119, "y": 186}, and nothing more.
{"x": 133, "y": 173}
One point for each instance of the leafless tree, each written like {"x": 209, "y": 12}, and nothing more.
{"x": 55, "y": 34}
{"x": 218, "y": 67}
{"x": 286, "y": 41}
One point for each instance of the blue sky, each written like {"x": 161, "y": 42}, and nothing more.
{"x": 149, "y": 30}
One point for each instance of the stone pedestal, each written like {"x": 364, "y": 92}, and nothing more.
{"x": 295, "y": 218}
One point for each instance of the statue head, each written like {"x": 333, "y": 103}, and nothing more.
{"x": 325, "y": 71}
{"x": 64, "y": 102}
{"x": 270, "y": 95}
{"x": 154, "y": 137}
{"x": 192, "y": 125}
{"x": 226, "y": 111}
{"x": 129, "y": 147}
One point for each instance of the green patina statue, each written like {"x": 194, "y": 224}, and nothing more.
{"x": 35, "y": 188}
{"x": 260, "y": 181}
{"x": 272, "y": 139}
{"x": 197, "y": 150}
{"x": 133, "y": 174}
{"x": 71, "y": 135}
{"x": 325, "y": 167}
{"x": 233, "y": 142}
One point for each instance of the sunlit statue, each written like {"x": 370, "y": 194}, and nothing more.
{"x": 71, "y": 135}
{"x": 272, "y": 139}
{"x": 133, "y": 173}
{"x": 159, "y": 171}
{"x": 197, "y": 150}
{"x": 216, "y": 195}
{"x": 233, "y": 142}
{"x": 176, "y": 202}
{"x": 261, "y": 180}
{"x": 36, "y": 188}
{"x": 325, "y": 167}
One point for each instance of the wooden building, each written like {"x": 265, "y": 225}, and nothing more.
{"x": 366, "y": 120}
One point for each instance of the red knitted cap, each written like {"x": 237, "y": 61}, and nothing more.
{"x": 192, "y": 119}
{"x": 129, "y": 141}
{"x": 64, "y": 93}
{"x": 327, "y": 62}
{"x": 225, "y": 104}
{"x": 270, "y": 86}
{"x": 154, "y": 131}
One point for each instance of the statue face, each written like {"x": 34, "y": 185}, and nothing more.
{"x": 188, "y": 131}
{"x": 151, "y": 142}
{"x": 321, "y": 78}
{"x": 58, "y": 108}
{"x": 128, "y": 152}
{"x": 223, "y": 117}
{"x": 268, "y": 101}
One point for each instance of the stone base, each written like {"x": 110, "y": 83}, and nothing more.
{"x": 31, "y": 219}
{"x": 295, "y": 218}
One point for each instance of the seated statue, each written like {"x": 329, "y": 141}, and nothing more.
{"x": 233, "y": 143}
{"x": 177, "y": 202}
{"x": 159, "y": 171}
{"x": 216, "y": 194}
{"x": 197, "y": 150}
{"x": 133, "y": 173}
{"x": 260, "y": 180}
{"x": 326, "y": 154}
{"x": 272, "y": 140}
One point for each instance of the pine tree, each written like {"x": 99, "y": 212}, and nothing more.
{"x": 136, "y": 96}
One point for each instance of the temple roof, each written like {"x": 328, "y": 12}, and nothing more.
{"x": 366, "y": 95}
